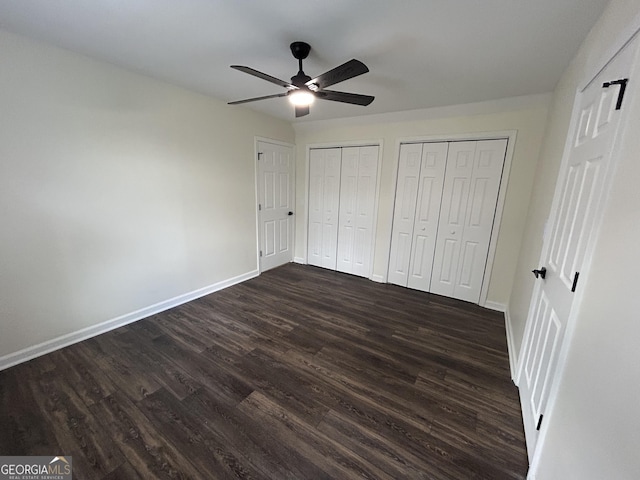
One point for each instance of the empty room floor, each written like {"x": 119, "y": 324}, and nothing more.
{"x": 300, "y": 373}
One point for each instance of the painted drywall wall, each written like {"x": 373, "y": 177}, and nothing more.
{"x": 527, "y": 115}
{"x": 592, "y": 430}
{"x": 116, "y": 191}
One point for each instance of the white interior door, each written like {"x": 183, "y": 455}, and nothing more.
{"x": 357, "y": 207}
{"x": 472, "y": 184}
{"x": 275, "y": 202}
{"x": 409, "y": 164}
{"x": 452, "y": 217}
{"x": 425, "y": 230}
{"x": 324, "y": 198}
{"x": 577, "y": 197}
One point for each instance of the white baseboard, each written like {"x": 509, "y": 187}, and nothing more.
{"x": 498, "y": 307}
{"x": 299, "y": 260}
{"x": 377, "y": 278}
{"x": 43, "y": 348}
{"x": 513, "y": 361}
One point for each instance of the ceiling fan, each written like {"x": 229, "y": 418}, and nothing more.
{"x": 302, "y": 90}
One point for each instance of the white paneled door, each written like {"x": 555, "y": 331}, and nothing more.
{"x": 324, "y": 201}
{"x": 275, "y": 204}
{"x": 470, "y": 195}
{"x": 573, "y": 224}
{"x": 417, "y": 208}
{"x": 446, "y": 197}
{"x": 357, "y": 204}
{"x": 342, "y": 198}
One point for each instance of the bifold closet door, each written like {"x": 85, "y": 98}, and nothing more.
{"x": 471, "y": 187}
{"x": 421, "y": 170}
{"x": 357, "y": 204}
{"x": 324, "y": 198}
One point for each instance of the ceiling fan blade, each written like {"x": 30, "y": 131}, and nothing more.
{"x": 347, "y": 70}
{"x": 263, "y": 76}
{"x": 302, "y": 111}
{"x": 344, "y": 97}
{"x": 238, "y": 102}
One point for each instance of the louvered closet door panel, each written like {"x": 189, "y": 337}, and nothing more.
{"x": 453, "y": 212}
{"x": 404, "y": 211}
{"x": 484, "y": 186}
{"x": 431, "y": 180}
{"x": 324, "y": 191}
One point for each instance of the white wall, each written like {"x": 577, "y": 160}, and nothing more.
{"x": 527, "y": 115}
{"x": 593, "y": 429}
{"x": 116, "y": 192}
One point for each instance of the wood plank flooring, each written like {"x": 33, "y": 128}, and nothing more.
{"x": 301, "y": 373}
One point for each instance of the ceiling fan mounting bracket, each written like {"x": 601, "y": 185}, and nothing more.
{"x": 300, "y": 50}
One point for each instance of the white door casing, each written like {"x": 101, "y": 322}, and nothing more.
{"x": 275, "y": 201}
{"x": 357, "y": 208}
{"x": 324, "y": 197}
{"x": 470, "y": 194}
{"x": 576, "y": 205}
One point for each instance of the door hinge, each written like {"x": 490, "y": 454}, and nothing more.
{"x": 623, "y": 86}
{"x": 539, "y": 422}
{"x": 259, "y": 206}
{"x": 259, "y": 155}
{"x": 575, "y": 281}
{"x": 260, "y": 252}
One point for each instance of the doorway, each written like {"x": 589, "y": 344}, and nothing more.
{"x": 564, "y": 262}
{"x": 446, "y": 216}
{"x": 275, "y": 174}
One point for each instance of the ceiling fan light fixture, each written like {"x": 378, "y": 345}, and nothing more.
{"x": 301, "y": 98}
{"x": 303, "y": 90}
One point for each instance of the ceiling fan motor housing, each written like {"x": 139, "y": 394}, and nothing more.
{"x": 300, "y": 79}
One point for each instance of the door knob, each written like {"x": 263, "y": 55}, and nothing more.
{"x": 540, "y": 273}
{"x": 290, "y": 213}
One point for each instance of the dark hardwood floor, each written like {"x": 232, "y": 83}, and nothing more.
{"x": 301, "y": 373}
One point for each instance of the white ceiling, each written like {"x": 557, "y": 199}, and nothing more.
{"x": 421, "y": 53}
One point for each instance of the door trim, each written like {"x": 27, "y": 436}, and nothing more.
{"x": 510, "y": 136}
{"x": 256, "y": 194}
{"x": 355, "y": 143}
